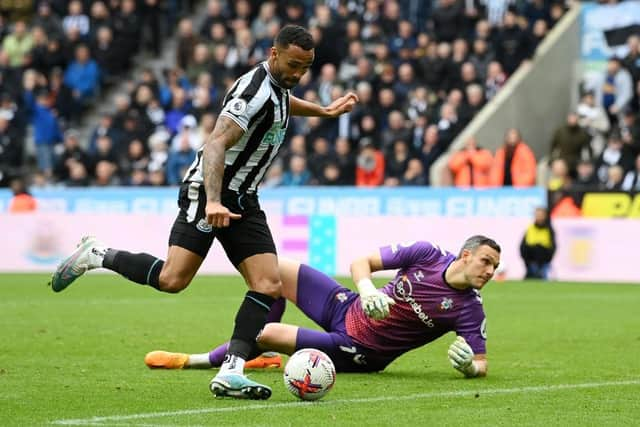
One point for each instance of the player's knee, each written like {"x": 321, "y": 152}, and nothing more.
{"x": 269, "y": 286}
{"x": 172, "y": 283}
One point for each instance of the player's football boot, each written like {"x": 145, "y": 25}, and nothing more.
{"x": 239, "y": 387}
{"x": 87, "y": 256}
{"x": 265, "y": 360}
{"x": 166, "y": 360}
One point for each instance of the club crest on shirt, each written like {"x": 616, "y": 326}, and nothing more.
{"x": 204, "y": 226}
{"x": 341, "y": 296}
{"x": 446, "y": 304}
{"x": 237, "y": 106}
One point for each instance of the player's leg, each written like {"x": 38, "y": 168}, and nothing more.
{"x": 249, "y": 246}
{"x": 189, "y": 243}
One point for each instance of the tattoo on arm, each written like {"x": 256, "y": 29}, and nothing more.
{"x": 225, "y": 135}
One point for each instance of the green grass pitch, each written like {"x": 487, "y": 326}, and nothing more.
{"x": 559, "y": 354}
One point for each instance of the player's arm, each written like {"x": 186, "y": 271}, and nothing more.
{"x": 464, "y": 360}
{"x": 344, "y": 104}
{"x": 374, "y": 303}
{"x": 225, "y": 135}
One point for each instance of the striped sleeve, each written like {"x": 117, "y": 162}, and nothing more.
{"x": 247, "y": 97}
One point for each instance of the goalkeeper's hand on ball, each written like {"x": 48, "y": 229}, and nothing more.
{"x": 375, "y": 304}
{"x": 461, "y": 357}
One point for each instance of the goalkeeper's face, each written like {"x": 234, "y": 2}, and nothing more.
{"x": 480, "y": 265}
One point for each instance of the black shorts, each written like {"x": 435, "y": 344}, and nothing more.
{"x": 244, "y": 237}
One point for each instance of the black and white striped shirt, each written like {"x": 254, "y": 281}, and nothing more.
{"x": 261, "y": 108}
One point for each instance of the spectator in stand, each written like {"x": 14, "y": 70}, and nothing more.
{"x": 72, "y": 154}
{"x": 448, "y": 20}
{"x": 298, "y": 174}
{"x": 593, "y": 118}
{"x": 396, "y": 163}
{"x": 540, "y": 31}
{"x": 216, "y": 14}
{"x": 570, "y": 142}
{"x": 615, "y": 176}
{"x": 47, "y": 20}
{"x": 370, "y": 165}
{"x": 632, "y": 60}
{"x": 180, "y": 158}
{"x": 471, "y": 166}
{"x": 318, "y": 158}
{"x": 514, "y": 163}
{"x": 105, "y": 174}
{"x": 538, "y": 246}
{"x": 46, "y": 128}
{"x": 179, "y": 108}
{"x": 187, "y": 132}
{"x": 496, "y": 78}
{"x": 559, "y": 178}
{"x": 186, "y": 41}
{"x": 586, "y": 178}
{"x": 414, "y": 175}
{"x": 481, "y": 57}
{"x": 631, "y": 180}
{"x": 11, "y": 147}
{"x": 630, "y": 130}
{"x": 108, "y": 55}
{"x": 345, "y": 161}
{"x": 22, "y": 201}
{"x": 395, "y": 131}
{"x": 99, "y": 17}
{"x": 105, "y": 151}
{"x": 616, "y": 153}
{"x": 83, "y": 77}
{"x": 76, "y": 20}
{"x": 18, "y": 44}
{"x": 615, "y": 89}
{"x": 513, "y": 44}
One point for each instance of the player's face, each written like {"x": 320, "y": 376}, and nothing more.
{"x": 289, "y": 65}
{"x": 480, "y": 265}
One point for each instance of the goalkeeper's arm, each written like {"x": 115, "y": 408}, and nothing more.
{"x": 375, "y": 304}
{"x": 464, "y": 360}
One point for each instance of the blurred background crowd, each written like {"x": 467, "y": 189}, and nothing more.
{"x": 80, "y": 106}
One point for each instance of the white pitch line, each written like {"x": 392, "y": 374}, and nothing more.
{"x": 251, "y": 407}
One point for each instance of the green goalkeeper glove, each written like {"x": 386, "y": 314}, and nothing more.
{"x": 461, "y": 357}
{"x": 375, "y": 304}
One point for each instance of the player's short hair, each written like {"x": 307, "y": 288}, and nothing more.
{"x": 474, "y": 242}
{"x": 296, "y": 35}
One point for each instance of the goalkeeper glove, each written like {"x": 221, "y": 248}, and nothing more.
{"x": 375, "y": 304}
{"x": 461, "y": 357}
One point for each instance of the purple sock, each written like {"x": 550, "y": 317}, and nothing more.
{"x": 277, "y": 310}
{"x": 216, "y": 356}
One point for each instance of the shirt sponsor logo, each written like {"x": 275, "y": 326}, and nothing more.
{"x": 402, "y": 290}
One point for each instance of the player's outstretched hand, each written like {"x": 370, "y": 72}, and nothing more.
{"x": 460, "y": 354}
{"x": 342, "y": 105}
{"x": 219, "y": 215}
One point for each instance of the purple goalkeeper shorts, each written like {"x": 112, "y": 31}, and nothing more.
{"x": 326, "y": 302}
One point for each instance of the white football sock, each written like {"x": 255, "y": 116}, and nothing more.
{"x": 232, "y": 365}
{"x": 198, "y": 361}
{"x": 96, "y": 256}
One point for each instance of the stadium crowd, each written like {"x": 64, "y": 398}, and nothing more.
{"x": 422, "y": 70}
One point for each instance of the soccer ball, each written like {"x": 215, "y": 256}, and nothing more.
{"x": 309, "y": 374}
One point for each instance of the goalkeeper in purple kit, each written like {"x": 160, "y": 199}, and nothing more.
{"x": 434, "y": 292}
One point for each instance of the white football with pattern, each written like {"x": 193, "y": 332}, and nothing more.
{"x": 309, "y": 374}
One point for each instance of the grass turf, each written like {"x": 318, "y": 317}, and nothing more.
{"x": 560, "y": 354}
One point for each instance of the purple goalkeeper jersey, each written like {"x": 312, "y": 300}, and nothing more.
{"x": 425, "y": 308}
